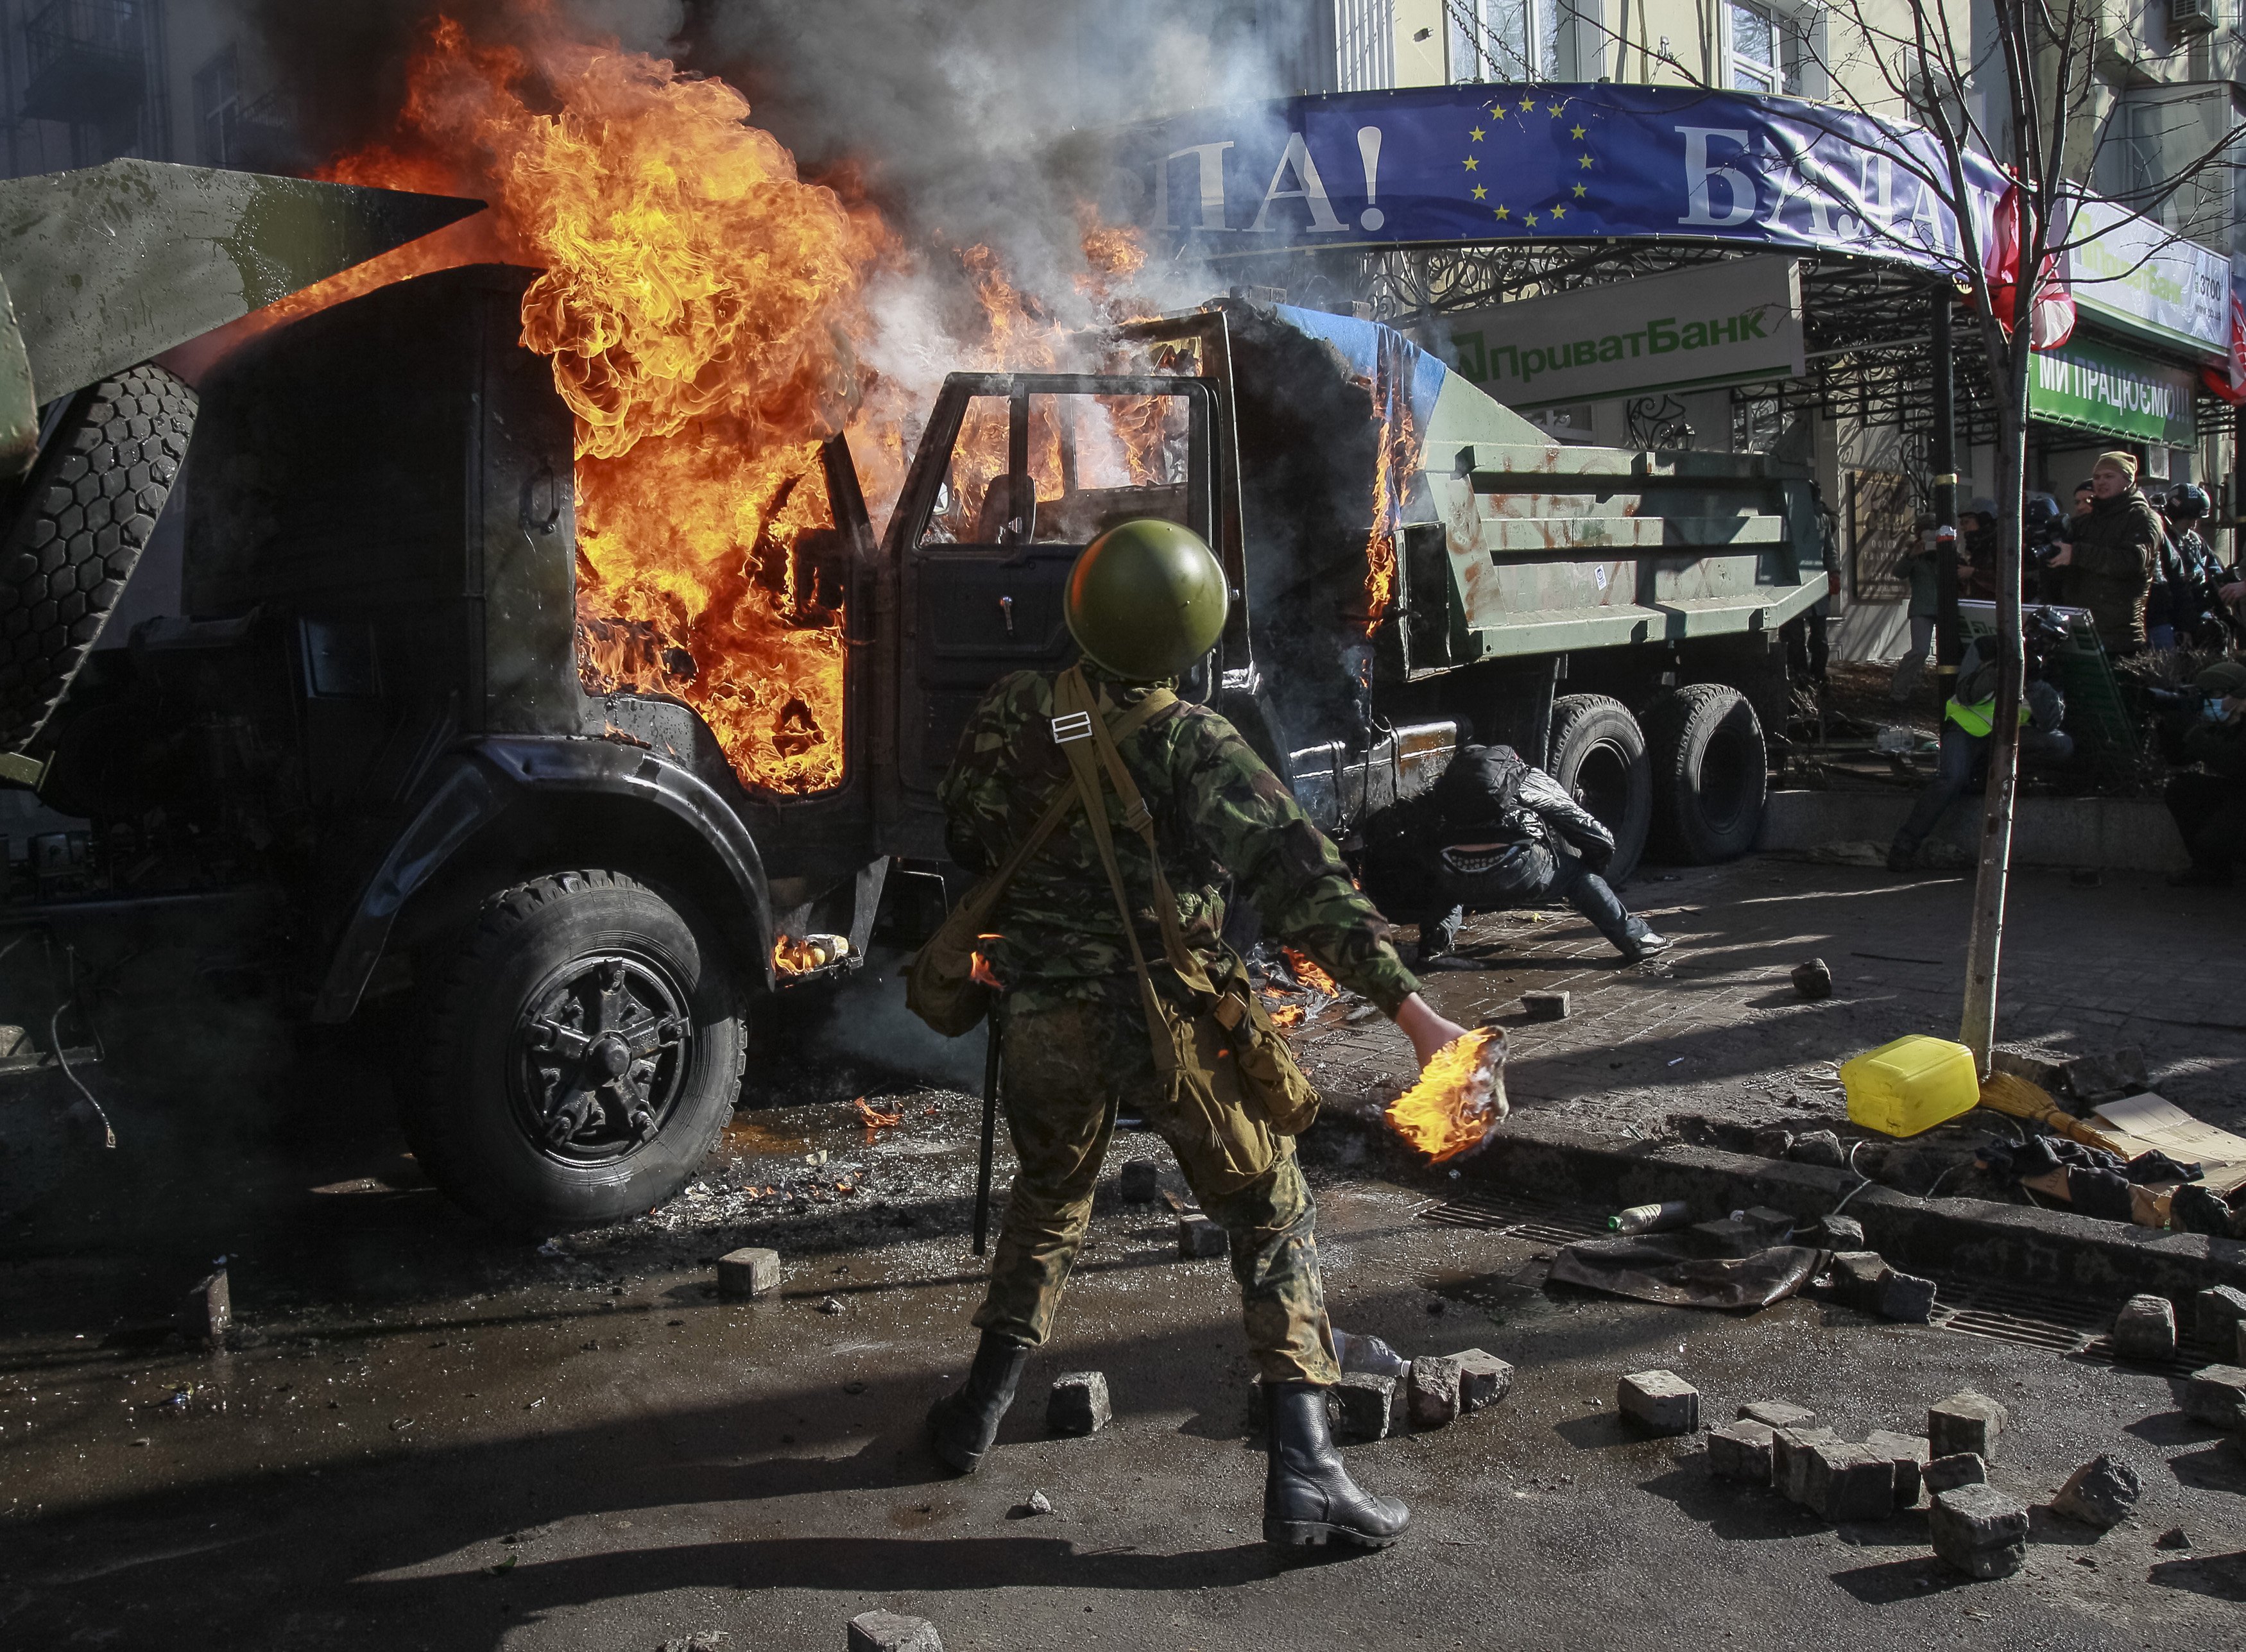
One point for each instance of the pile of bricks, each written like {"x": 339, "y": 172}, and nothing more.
{"x": 1438, "y": 1389}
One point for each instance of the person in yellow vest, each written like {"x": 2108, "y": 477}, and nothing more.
{"x": 1969, "y": 720}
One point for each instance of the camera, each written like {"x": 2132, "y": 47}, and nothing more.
{"x": 2044, "y": 527}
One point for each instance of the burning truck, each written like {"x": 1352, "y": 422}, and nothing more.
{"x": 564, "y": 842}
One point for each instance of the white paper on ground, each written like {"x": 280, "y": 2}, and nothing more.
{"x": 2142, "y": 1123}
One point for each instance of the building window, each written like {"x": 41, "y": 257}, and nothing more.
{"x": 218, "y": 109}
{"x": 1364, "y": 38}
{"x": 1504, "y": 40}
{"x": 1757, "y": 50}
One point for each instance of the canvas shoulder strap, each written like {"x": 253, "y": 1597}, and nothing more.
{"x": 1066, "y": 795}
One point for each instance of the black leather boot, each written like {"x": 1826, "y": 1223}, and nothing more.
{"x": 1308, "y": 1496}
{"x": 961, "y": 1426}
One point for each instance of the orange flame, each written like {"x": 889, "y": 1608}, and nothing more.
{"x": 981, "y": 970}
{"x": 1458, "y": 1099}
{"x": 795, "y": 956}
{"x": 873, "y": 1119}
{"x": 702, "y": 306}
{"x": 1309, "y": 973}
{"x": 1287, "y": 1015}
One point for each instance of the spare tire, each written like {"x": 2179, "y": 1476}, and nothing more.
{"x": 1710, "y": 773}
{"x": 90, "y": 505}
{"x": 1598, "y": 755}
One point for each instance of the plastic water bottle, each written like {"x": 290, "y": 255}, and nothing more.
{"x": 1651, "y": 1219}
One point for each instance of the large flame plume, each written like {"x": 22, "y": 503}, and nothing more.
{"x": 1458, "y": 1099}
{"x": 707, "y": 313}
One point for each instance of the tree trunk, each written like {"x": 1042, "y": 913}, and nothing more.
{"x": 1978, "y": 1031}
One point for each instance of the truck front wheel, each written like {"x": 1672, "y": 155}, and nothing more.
{"x": 585, "y": 1047}
{"x": 1710, "y": 773}
{"x": 1598, "y": 755}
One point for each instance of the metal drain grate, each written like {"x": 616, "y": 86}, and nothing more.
{"x": 2004, "y": 1313}
{"x": 1520, "y": 1216}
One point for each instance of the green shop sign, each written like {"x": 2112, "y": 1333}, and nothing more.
{"x": 2111, "y": 392}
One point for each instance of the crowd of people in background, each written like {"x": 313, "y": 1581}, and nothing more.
{"x": 2149, "y": 581}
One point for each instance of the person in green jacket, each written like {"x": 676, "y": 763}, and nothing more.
{"x": 1145, "y": 602}
{"x": 2112, "y": 554}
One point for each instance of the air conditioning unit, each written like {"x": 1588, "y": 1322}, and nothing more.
{"x": 2191, "y": 17}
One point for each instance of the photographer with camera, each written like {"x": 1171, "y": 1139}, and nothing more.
{"x": 2210, "y": 806}
{"x": 1969, "y": 723}
{"x": 2197, "y": 607}
{"x": 2112, "y": 553}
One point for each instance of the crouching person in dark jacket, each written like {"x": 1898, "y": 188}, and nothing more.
{"x": 1495, "y": 833}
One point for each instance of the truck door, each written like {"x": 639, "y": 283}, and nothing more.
{"x": 1016, "y": 475}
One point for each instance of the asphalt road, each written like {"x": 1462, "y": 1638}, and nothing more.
{"x": 437, "y": 1441}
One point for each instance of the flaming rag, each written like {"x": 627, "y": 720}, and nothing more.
{"x": 1073, "y": 1031}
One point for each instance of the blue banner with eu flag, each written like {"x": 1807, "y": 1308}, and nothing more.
{"x": 1545, "y": 162}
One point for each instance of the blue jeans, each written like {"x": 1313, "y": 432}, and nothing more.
{"x": 1556, "y": 876}
{"x": 1963, "y": 755}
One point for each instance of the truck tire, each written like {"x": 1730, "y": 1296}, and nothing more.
{"x": 90, "y": 505}
{"x": 584, "y": 1049}
{"x": 1598, "y": 754}
{"x": 1710, "y": 772}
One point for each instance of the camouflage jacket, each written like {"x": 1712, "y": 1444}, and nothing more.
{"x": 1219, "y": 814}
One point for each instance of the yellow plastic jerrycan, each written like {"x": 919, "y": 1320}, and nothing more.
{"x": 1911, "y": 1084}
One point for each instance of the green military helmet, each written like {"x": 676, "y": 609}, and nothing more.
{"x": 1147, "y": 598}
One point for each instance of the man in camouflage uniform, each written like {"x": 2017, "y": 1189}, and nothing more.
{"x": 1075, "y": 1048}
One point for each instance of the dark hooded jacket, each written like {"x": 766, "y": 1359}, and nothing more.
{"x": 2116, "y": 548}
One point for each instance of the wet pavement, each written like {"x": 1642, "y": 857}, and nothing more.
{"x": 432, "y": 1440}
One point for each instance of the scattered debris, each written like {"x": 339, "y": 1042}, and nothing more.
{"x": 1773, "y": 1143}
{"x": 1789, "y": 1459}
{"x": 1198, "y": 1237}
{"x": 2145, "y": 1328}
{"x": 1361, "y": 1404}
{"x": 1079, "y": 1405}
{"x": 1813, "y": 979}
{"x": 1777, "y": 1413}
{"x": 2216, "y": 1394}
{"x": 208, "y": 1315}
{"x": 1432, "y": 1391}
{"x": 889, "y": 1632}
{"x": 1839, "y": 1233}
{"x": 1651, "y": 1219}
{"x": 748, "y": 1273}
{"x": 1966, "y": 1422}
{"x": 700, "y": 1640}
{"x": 1660, "y": 1402}
{"x": 1355, "y": 1352}
{"x": 1139, "y": 1180}
{"x": 1909, "y": 1452}
{"x": 1545, "y": 1006}
{"x": 1484, "y": 1379}
{"x": 1818, "y": 1147}
{"x": 830, "y": 1304}
{"x": 2100, "y": 1494}
{"x": 1906, "y": 1297}
{"x": 1741, "y": 1450}
{"x": 1844, "y": 1482}
{"x": 2172, "y": 1538}
{"x": 1855, "y": 1278}
{"x": 1038, "y": 1504}
{"x": 1980, "y": 1530}
{"x": 1947, "y": 1473}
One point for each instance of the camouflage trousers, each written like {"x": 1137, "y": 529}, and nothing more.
{"x": 1069, "y": 1067}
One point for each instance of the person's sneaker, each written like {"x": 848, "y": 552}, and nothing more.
{"x": 1899, "y": 857}
{"x": 2200, "y": 878}
{"x": 1643, "y": 945}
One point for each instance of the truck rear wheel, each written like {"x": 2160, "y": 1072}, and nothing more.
{"x": 1598, "y": 754}
{"x": 1710, "y": 772}
{"x": 585, "y": 1048}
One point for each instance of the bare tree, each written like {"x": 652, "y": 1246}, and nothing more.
{"x": 2010, "y": 125}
